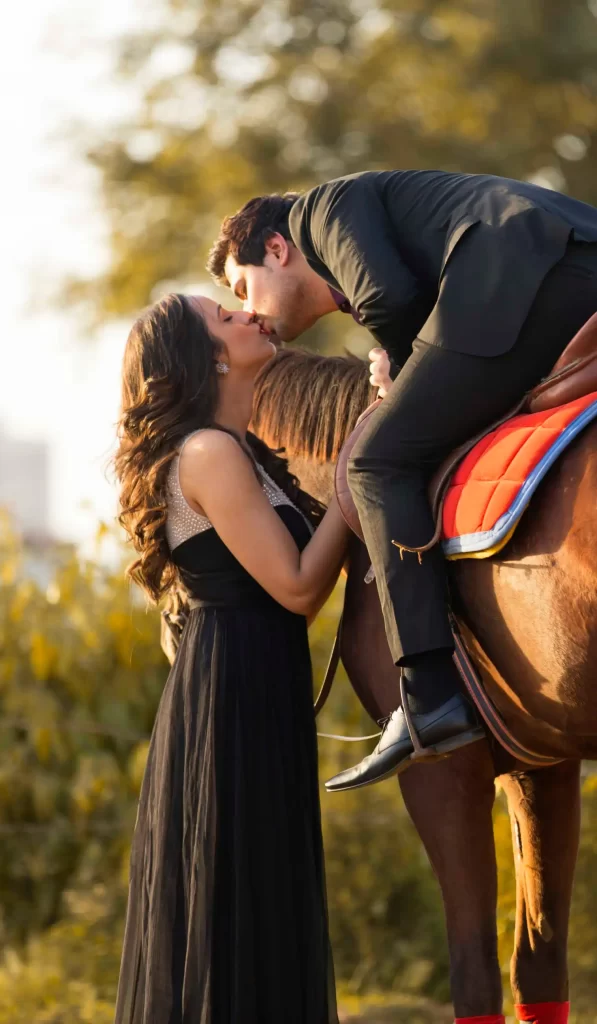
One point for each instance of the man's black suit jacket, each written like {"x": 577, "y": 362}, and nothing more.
{"x": 455, "y": 259}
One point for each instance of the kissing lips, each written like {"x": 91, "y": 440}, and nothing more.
{"x": 268, "y": 331}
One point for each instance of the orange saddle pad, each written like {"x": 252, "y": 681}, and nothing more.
{"x": 495, "y": 481}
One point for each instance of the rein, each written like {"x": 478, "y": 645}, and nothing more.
{"x": 326, "y": 687}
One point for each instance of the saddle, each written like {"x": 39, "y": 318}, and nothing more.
{"x": 573, "y": 376}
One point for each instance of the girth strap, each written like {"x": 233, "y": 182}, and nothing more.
{"x": 492, "y": 718}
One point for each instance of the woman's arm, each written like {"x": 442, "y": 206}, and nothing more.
{"x": 218, "y": 478}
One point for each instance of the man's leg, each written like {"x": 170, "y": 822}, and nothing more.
{"x": 440, "y": 400}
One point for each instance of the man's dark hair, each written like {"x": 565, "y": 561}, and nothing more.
{"x": 244, "y": 234}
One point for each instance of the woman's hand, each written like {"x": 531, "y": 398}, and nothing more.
{"x": 379, "y": 375}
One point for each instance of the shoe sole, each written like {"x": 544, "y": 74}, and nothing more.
{"x": 438, "y": 752}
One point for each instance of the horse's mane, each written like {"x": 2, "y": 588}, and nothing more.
{"x": 308, "y": 404}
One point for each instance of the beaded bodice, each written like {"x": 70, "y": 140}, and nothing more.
{"x": 184, "y": 522}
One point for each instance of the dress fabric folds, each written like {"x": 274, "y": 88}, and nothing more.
{"x": 226, "y": 920}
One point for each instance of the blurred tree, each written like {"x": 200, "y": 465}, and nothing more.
{"x": 80, "y": 677}
{"x": 68, "y": 974}
{"x": 246, "y": 96}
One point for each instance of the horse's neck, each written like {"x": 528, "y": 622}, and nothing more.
{"x": 316, "y": 478}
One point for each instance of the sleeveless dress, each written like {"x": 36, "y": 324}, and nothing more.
{"x": 226, "y": 919}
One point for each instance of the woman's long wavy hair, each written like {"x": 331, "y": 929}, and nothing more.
{"x": 170, "y": 389}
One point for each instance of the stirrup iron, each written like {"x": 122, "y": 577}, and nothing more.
{"x": 420, "y": 752}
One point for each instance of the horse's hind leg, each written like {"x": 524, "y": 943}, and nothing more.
{"x": 451, "y": 803}
{"x": 544, "y": 808}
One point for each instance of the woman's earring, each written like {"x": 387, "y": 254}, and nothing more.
{"x": 222, "y": 368}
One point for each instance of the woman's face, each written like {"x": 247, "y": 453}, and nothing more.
{"x": 246, "y": 344}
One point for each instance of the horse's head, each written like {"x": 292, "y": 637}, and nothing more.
{"x": 309, "y": 404}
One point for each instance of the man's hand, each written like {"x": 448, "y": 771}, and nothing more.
{"x": 379, "y": 375}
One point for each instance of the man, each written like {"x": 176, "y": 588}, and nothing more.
{"x": 474, "y": 285}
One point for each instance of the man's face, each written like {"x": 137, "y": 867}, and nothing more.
{"x": 275, "y": 291}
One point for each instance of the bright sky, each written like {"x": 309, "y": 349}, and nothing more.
{"x": 55, "y": 384}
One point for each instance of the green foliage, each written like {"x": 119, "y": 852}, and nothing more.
{"x": 396, "y": 1010}
{"x": 245, "y": 96}
{"x": 66, "y": 975}
{"x": 80, "y": 676}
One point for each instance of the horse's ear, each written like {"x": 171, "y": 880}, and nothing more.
{"x": 345, "y": 499}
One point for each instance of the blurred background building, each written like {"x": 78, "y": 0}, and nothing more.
{"x": 25, "y": 485}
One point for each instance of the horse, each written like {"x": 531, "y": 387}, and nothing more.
{"x": 529, "y": 616}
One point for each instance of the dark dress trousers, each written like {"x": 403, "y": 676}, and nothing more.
{"x": 474, "y": 285}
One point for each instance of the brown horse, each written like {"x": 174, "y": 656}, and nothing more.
{"x": 529, "y": 615}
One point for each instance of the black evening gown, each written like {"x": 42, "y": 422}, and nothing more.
{"x": 226, "y": 920}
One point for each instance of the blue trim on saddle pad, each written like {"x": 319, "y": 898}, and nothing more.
{"x": 471, "y": 542}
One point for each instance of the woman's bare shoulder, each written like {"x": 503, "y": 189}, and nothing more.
{"x": 209, "y": 444}
{"x": 214, "y": 459}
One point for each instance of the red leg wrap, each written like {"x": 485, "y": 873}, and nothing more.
{"x": 492, "y": 1018}
{"x": 543, "y": 1013}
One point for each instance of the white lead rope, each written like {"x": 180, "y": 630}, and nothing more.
{"x": 347, "y": 739}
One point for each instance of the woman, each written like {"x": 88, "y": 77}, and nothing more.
{"x": 226, "y": 919}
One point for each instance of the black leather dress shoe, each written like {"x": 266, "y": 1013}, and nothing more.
{"x": 440, "y": 732}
